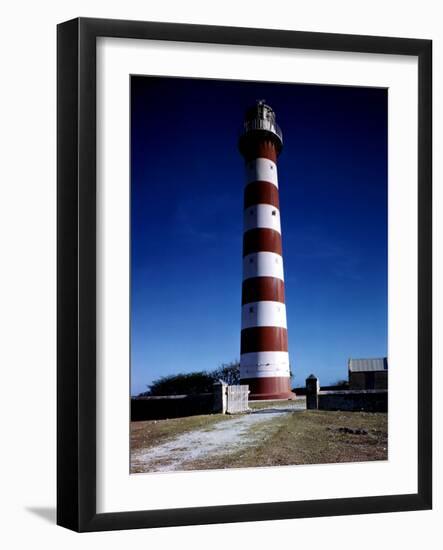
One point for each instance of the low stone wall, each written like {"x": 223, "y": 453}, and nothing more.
{"x": 354, "y": 400}
{"x": 173, "y": 406}
{"x": 223, "y": 399}
{"x": 344, "y": 400}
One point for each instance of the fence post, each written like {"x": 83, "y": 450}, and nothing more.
{"x": 312, "y": 389}
{"x": 219, "y": 390}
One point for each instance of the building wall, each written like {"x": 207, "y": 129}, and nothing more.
{"x": 377, "y": 380}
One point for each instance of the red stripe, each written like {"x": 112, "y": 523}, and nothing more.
{"x": 261, "y": 240}
{"x": 261, "y": 192}
{"x": 259, "y": 289}
{"x": 264, "y": 339}
{"x": 275, "y": 387}
{"x": 259, "y": 148}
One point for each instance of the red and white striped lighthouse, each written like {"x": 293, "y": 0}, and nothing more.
{"x": 264, "y": 359}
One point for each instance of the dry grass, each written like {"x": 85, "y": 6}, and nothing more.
{"x": 311, "y": 437}
{"x": 320, "y": 437}
{"x": 302, "y": 437}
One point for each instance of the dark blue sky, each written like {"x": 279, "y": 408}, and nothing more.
{"x": 186, "y": 224}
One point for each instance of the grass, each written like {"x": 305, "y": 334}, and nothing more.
{"x": 312, "y": 437}
{"x": 302, "y": 437}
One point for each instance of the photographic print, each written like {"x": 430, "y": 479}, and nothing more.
{"x": 222, "y": 274}
{"x": 259, "y": 238}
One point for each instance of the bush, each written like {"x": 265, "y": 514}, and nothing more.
{"x": 228, "y": 372}
{"x": 180, "y": 384}
{"x": 195, "y": 382}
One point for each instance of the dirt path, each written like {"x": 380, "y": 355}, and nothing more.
{"x": 223, "y": 438}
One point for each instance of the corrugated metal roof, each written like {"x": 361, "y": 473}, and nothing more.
{"x": 368, "y": 365}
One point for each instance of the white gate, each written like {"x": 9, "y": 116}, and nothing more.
{"x": 237, "y": 399}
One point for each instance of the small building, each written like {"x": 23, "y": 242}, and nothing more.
{"x": 368, "y": 374}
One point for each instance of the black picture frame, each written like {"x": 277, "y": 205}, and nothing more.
{"x": 76, "y": 274}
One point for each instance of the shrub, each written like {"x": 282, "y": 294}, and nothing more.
{"x": 228, "y": 372}
{"x": 195, "y": 382}
{"x": 179, "y": 384}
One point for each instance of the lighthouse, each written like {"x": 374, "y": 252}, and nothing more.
{"x": 264, "y": 358}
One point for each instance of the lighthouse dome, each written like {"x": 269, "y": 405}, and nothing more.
{"x": 260, "y": 111}
{"x": 260, "y": 122}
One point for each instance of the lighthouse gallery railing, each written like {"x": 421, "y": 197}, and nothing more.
{"x": 263, "y": 124}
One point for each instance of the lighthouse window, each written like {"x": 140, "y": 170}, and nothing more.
{"x": 251, "y": 260}
{"x": 274, "y": 212}
{"x": 251, "y": 310}
{"x": 251, "y": 212}
{"x": 272, "y": 168}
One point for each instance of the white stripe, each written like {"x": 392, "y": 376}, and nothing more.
{"x": 262, "y": 364}
{"x": 261, "y": 216}
{"x": 263, "y": 314}
{"x": 263, "y": 264}
{"x": 261, "y": 169}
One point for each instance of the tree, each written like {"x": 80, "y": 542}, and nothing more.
{"x": 182, "y": 384}
{"x": 195, "y": 382}
{"x": 228, "y": 372}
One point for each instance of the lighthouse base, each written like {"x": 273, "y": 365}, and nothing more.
{"x": 265, "y": 389}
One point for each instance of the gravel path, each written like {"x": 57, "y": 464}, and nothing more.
{"x": 225, "y": 437}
